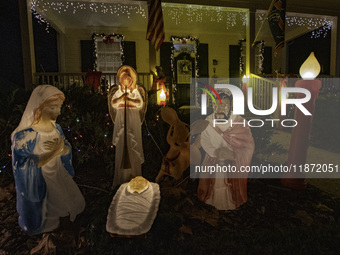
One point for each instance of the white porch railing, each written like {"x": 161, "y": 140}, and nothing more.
{"x": 65, "y": 80}
{"x": 262, "y": 91}
{"x": 60, "y": 80}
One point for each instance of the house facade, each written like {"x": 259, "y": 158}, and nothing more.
{"x": 214, "y": 38}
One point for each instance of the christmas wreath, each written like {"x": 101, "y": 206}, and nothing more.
{"x": 185, "y": 66}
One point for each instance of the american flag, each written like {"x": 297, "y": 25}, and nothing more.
{"x": 155, "y": 32}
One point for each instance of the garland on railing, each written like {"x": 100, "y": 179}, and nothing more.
{"x": 111, "y": 38}
{"x": 259, "y": 66}
{"x": 241, "y": 61}
{"x": 183, "y": 40}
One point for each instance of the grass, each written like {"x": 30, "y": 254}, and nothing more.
{"x": 326, "y": 123}
{"x": 331, "y": 186}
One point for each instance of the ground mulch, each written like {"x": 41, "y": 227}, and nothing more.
{"x": 275, "y": 220}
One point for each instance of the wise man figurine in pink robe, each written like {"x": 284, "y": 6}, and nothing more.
{"x": 230, "y": 143}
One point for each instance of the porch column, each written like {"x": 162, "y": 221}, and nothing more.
{"x": 61, "y": 52}
{"x": 250, "y": 36}
{"x": 337, "y": 62}
{"x": 27, "y": 42}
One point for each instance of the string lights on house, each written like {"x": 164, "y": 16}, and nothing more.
{"x": 74, "y": 7}
{"x": 320, "y": 25}
{"x": 40, "y": 9}
{"x": 178, "y": 13}
{"x": 40, "y": 18}
{"x": 181, "y": 14}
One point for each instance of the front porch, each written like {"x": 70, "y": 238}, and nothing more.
{"x": 65, "y": 80}
{"x": 274, "y": 220}
{"x": 222, "y": 46}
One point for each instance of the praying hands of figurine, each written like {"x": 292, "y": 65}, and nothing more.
{"x": 55, "y": 147}
{"x": 130, "y": 102}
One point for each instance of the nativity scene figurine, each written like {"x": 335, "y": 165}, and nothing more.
{"x": 42, "y": 165}
{"x": 225, "y": 145}
{"x": 127, "y": 107}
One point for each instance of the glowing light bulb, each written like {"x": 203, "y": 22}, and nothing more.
{"x": 310, "y": 68}
{"x": 245, "y": 78}
{"x": 162, "y": 95}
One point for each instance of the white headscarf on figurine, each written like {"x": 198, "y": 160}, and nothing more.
{"x": 208, "y": 136}
{"x": 226, "y": 109}
{"x": 39, "y": 95}
{"x": 42, "y": 166}
{"x": 226, "y": 93}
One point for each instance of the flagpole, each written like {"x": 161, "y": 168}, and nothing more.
{"x": 267, "y": 14}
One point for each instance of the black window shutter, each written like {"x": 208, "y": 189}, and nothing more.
{"x": 165, "y": 55}
{"x": 87, "y": 57}
{"x": 267, "y": 61}
{"x": 234, "y": 61}
{"x": 130, "y": 54}
{"x": 203, "y": 61}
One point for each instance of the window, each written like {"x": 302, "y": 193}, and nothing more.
{"x": 88, "y": 59}
{"x": 184, "y": 47}
{"x": 109, "y": 52}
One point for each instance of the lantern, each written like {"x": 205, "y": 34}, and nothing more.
{"x": 162, "y": 98}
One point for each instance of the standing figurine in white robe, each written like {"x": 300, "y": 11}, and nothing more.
{"x": 127, "y": 106}
{"x": 42, "y": 165}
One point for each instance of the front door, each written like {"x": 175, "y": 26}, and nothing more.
{"x": 184, "y": 67}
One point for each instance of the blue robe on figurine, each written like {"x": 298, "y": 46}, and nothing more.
{"x": 46, "y": 193}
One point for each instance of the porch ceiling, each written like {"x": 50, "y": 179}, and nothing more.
{"x": 80, "y": 14}
{"x": 132, "y": 15}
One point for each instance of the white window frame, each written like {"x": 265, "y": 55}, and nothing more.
{"x": 108, "y": 52}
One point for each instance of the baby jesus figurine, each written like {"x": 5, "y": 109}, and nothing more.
{"x": 127, "y": 106}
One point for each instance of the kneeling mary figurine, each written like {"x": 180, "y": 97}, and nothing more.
{"x": 42, "y": 165}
